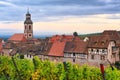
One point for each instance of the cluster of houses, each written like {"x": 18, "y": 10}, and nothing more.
{"x": 92, "y": 50}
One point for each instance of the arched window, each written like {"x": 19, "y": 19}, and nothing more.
{"x": 25, "y": 27}
{"x": 29, "y": 27}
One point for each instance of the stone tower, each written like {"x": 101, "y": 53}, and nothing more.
{"x": 28, "y": 26}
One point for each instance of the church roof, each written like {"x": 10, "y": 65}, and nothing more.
{"x": 28, "y": 21}
{"x": 28, "y": 18}
{"x": 17, "y": 37}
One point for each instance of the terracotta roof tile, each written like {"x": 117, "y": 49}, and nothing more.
{"x": 1, "y": 43}
{"x": 63, "y": 38}
{"x": 102, "y": 41}
{"x": 76, "y": 47}
{"x": 18, "y": 37}
{"x": 8, "y": 45}
{"x": 59, "y": 41}
{"x": 0, "y": 46}
{"x": 57, "y": 48}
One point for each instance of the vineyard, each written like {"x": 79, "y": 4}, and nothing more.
{"x": 14, "y": 68}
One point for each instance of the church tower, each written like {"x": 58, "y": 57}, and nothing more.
{"x": 28, "y": 26}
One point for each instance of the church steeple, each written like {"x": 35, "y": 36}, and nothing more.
{"x": 28, "y": 18}
{"x": 28, "y": 26}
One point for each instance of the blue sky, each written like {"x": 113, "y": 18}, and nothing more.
{"x": 71, "y": 15}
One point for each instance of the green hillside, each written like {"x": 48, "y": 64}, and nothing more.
{"x": 88, "y": 35}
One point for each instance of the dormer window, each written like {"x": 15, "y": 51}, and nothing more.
{"x": 103, "y": 43}
{"x": 95, "y": 43}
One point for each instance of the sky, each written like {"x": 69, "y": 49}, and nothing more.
{"x": 52, "y": 17}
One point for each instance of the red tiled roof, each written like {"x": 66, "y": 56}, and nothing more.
{"x": 63, "y": 38}
{"x": 76, "y": 47}
{"x": 102, "y": 41}
{"x": 59, "y": 41}
{"x": 57, "y": 48}
{"x": 113, "y": 33}
{"x": 0, "y": 46}
{"x": 118, "y": 45}
{"x": 99, "y": 41}
{"x": 18, "y": 37}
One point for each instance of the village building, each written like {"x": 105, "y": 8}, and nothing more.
{"x": 9, "y": 49}
{"x": 103, "y": 48}
{"x": 20, "y": 42}
{"x": 76, "y": 52}
{"x": 58, "y": 46}
{"x": 86, "y": 39}
{"x": 1, "y": 45}
{"x": 92, "y": 50}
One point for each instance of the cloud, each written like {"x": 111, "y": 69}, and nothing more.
{"x": 44, "y": 10}
{"x": 3, "y": 4}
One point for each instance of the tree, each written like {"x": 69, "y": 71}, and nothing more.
{"x": 75, "y": 34}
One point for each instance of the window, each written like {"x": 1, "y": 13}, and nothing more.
{"x": 91, "y": 50}
{"x": 27, "y": 55}
{"x": 102, "y": 43}
{"x": 25, "y": 27}
{"x": 29, "y": 27}
{"x": 73, "y": 54}
{"x": 94, "y": 51}
{"x": 102, "y": 57}
{"x": 92, "y": 56}
{"x": 97, "y": 50}
{"x": 103, "y": 51}
{"x": 69, "y": 55}
{"x": 73, "y": 60}
{"x": 82, "y": 55}
{"x": 29, "y": 34}
{"x": 95, "y": 43}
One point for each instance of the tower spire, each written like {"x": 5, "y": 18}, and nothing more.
{"x": 28, "y": 10}
{"x": 28, "y": 26}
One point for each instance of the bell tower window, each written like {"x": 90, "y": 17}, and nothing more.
{"x": 29, "y": 27}
{"x": 30, "y": 35}
{"x": 25, "y": 27}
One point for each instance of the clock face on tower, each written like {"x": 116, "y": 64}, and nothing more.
{"x": 28, "y": 26}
